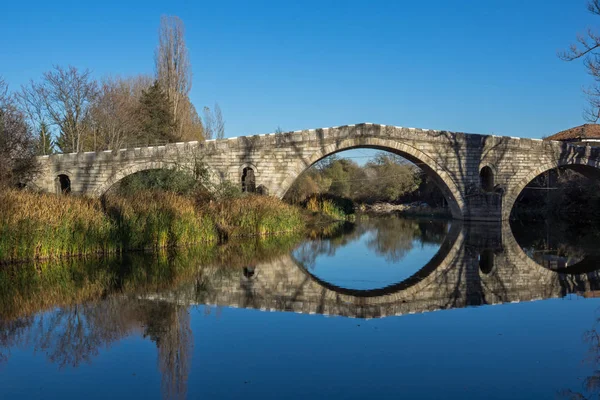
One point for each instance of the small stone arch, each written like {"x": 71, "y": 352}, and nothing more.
{"x": 248, "y": 176}
{"x": 62, "y": 184}
{"x": 441, "y": 177}
{"x": 249, "y": 272}
{"x": 486, "y": 261}
{"x": 486, "y": 179}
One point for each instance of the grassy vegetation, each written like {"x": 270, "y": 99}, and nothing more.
{"x": 253, "y": 215}
{"x": 42, "y": 226}
{"x": 334, "y": 207}
{"x": 39, "y": 226}
{"x": 153, "y": 220}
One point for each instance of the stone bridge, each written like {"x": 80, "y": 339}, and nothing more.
{"x": 481, "y": 176}
{"x": 476, "y": 265}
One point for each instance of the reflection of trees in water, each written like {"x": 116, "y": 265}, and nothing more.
{"x": 12, "y": 334}
{"x": 71, "y": 336}
{"x": 89, "y": 309}
{"x": 591, "y": 384}
{"x": 391, "y": 237}
{"x": 168, "y": 326}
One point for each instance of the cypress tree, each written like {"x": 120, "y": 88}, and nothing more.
{"x": 45, "y": 145}
{"x": 157, "y": 118}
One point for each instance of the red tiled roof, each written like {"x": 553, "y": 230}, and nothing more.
{"x": 586, "y": 131}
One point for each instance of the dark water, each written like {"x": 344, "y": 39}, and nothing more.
{"x": 384, "y": 308}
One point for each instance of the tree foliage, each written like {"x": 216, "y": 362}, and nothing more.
{"x": 68, "y": 108}
{"x": 44, "y": 144}
{"x": 386, "y": 178}
{"x": 156, "y": 115}
{"x": 391, "y": 177}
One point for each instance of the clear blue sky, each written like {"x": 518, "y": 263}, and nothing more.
{"x": 466, "y": 65}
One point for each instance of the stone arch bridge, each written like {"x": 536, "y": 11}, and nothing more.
{"x": 481, "y": 176}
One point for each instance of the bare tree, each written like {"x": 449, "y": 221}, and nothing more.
{"x": 587, "y": 47}
{"x": 219, "y": 123}
{"x": 173, "y": 70}
{"x": 63, "y": 99}
{"x": 209, "y": 123}
{"x": 190, "y": 123}
{"x": 114, "y": 113}
{"x": 17, "y": 146}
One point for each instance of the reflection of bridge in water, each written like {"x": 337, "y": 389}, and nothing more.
{"x": 476, "y": 265}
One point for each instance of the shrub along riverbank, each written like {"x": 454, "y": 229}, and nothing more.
{"x": 37, "y": 226}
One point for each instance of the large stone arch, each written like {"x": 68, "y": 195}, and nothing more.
{"x": 438, "y": 173}
{"x": 584, "y": 165}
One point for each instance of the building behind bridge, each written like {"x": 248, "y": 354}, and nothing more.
{"x": 584, "y": 135}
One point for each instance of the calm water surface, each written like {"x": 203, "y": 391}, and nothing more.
{"x": 383, "y": 308}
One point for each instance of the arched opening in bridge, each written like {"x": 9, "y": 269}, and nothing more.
{"x": 248, "y": 180}
{"x": 486, "y": 261}
{"x": 63, "y": 184}
{"x": 486, "y": 179}
{"x": 171, "y": 180}
{"x": 372, "y": 178}
{"x": 554, "y": 217}
{"x": 386, "y": 248}
{"x": 249, "y": 272}
{"x": 569, "y": 192}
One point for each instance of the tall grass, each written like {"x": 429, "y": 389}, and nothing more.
{"x": 253, "y": 215}
{"x": 39, "y": 226}
{"x": 153, "y": 220}
{"x": 331, "y": 206}
{"x": 44, "y": 226}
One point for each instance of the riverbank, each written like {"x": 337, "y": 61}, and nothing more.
{"x": 409, "y": 209}
{"x": 42, "y": 226}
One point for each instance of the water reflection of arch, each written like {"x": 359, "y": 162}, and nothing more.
{"x": 587, "y": 264}
{"x": 582, "y": 276}
{"x": 444, "y": 257}
{"x": 452, "y": 279}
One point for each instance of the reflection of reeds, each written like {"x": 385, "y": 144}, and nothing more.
{"x": 32, "y": 287}
{"x": 38, "y": 226}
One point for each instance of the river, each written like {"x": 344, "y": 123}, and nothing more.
{"x": 386, "y": 307}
